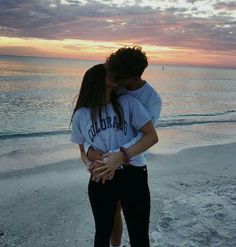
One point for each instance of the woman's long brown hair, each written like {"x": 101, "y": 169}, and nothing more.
{"x": 92, "y": 94}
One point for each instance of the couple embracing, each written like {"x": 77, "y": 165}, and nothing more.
{"x": 114, "y": 123}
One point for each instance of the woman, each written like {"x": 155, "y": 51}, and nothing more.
{"x": 107, "y": 121}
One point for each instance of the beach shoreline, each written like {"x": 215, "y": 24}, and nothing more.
{"x": 193, "y": 201}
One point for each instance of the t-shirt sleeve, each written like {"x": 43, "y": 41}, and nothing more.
{"x": 155, "y": 110}
{"x": 139, "y": 114}
{"x": 76, "y": 134}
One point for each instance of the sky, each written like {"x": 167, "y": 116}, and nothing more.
{"x": 190, "y": 32}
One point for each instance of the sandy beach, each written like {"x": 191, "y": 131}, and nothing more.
{"x": 193, "y": 202}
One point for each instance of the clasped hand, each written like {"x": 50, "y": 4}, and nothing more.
{"x": 104, "y": 169}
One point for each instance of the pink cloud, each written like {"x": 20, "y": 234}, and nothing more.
{"x": 174, "y": 27}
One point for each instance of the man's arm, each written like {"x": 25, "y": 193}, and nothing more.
{"x": 154, "y": 112}
{"x": 114, "y": 159}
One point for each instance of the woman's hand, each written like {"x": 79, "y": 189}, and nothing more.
{"x": 93, "y": 154}
{"x": 106, "y": 170}
{"x": 94, "y": 165}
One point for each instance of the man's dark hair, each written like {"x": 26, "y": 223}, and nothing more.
{"x": 127, "y": 62}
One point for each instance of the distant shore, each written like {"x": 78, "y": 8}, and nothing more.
{"x": 193, "y": 202}
{"x": 214, "y": 66}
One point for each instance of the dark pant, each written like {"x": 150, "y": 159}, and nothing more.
{"x": 130, "y": 186}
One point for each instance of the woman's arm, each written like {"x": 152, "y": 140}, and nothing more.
{"x": 90, "y": 165}
{"x": 84, "y": 156}
{"x": 115, "y": 159}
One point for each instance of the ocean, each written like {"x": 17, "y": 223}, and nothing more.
{"x": 37, "y": 97}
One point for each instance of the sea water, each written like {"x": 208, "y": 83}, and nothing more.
{"x": 37, "y": 97}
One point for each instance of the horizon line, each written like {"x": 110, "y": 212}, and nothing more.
{"x": 150, "y": 63}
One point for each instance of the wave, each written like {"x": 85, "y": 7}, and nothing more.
{"x": 35, "y": 134}
{"x": 206, "y": 114}
{"x": 182, "y": 122}
{"x": 212, "y": 79}
{"x": 162, "y": 124}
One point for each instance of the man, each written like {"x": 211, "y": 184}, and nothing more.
{"x": 125, "y": 68}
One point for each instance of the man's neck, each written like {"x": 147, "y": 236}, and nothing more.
{"x": 136, "y": 84}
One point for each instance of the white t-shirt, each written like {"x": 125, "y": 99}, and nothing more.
{"x": 103, "y": 134}
{"x": 149, "y": 98}
{"x": 152, "y": 102}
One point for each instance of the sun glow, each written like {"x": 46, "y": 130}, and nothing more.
{"x": 99, "y": 50}
{"x": 71, "y": 48}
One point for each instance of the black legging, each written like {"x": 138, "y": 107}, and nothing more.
{"x": 130, "y": 186}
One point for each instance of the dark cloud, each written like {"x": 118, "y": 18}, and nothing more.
{"x": 174, "y": 10}
{"x": 104, "y": 21}
{"x": 194, "y": 1}
{"x": 230, "y": 6}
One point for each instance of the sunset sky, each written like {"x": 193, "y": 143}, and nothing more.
{"x": 194, "y": 32}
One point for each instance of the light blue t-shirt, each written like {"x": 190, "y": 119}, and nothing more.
{"x": 149, "y": 98}
{"x": 152, "y": 102}
{"x": 103, "y": 134}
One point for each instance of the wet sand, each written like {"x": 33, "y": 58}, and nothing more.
{"x": 193, "y": 202}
